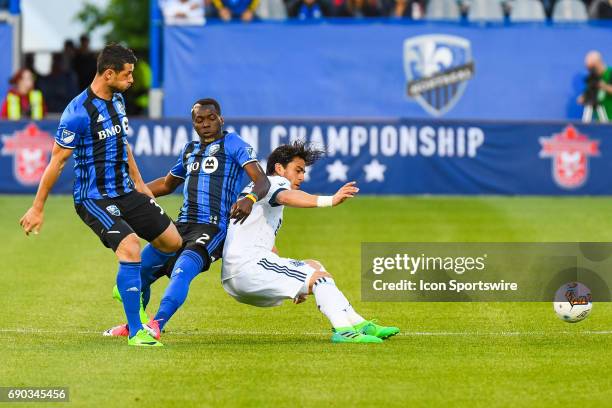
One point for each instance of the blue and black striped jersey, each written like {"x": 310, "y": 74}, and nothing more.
{"x": 96, "y": 129}
{"x": 213, "y": 178}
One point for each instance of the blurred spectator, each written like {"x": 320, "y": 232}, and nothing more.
{"x": 60, "y": 86}
{"x": 548, "y": 6}
{"x": 23, "y": 100}
{"x": 187, "y": 12}
{"x": 596, "y": 66}
{"x": 28, "y": 63}
{"x": 233, "y": 9}
{"x": 365, "y": 8}
{"x": 308, "y": 9}
{"x": 414, "y": 9}
{"x": 84, "y": 63}
{"x": 601, "y": 10}
{"x": 338, "y": 8}
{"x": 68, "y": 54}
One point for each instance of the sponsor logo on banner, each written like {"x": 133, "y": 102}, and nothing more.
{"x": 437, "y": 69}
{"x": 30, "y": 148}
{"x": 570, "y": 151}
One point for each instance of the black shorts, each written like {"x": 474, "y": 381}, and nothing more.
{"x": 113, "y": 219}
{"x": 209, "y": 238}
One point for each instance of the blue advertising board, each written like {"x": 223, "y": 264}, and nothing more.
{"x": 382, "y": 69}
{"x": 384, "y": 157}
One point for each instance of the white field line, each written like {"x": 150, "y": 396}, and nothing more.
{"x": 322, "y": 333}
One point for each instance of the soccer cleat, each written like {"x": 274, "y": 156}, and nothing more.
{"x": 118, "y": 331}
{"x": 143, "y": 339}
{"x": 349, "y": 335}
{"x": 144, "y": 318}
{"x": 153, "y": 329}
{"x": 370, "y": 328}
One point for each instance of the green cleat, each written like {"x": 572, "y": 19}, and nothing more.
{"x": 116, "y": 294}
{"x": 144, "y": 318}
{"x": 349, "y": 335}
{"x": 372, "y": 329}
{"x": 143, "y": 339}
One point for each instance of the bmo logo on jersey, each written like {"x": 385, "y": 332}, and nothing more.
{"x": 115, "y": 130}
{"x": 210, "y": 165}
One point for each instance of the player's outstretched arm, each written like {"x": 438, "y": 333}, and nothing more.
{"x": 242, "y": 208}
{"x": 164, "y": 185}
{"x": 33, "y": 218}
{"x": 135, "y": 174}
{"x": 301, "y": 199}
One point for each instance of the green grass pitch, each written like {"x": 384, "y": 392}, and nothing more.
{"x": 55, "y": 300}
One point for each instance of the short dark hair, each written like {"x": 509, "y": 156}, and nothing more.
{"x": 207, "y": 101}
{"x": 285, "y": 153}
{"x": 114, "y": 56}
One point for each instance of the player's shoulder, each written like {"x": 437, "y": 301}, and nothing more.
{"x": 233, "y": 139}
{"x": 118, "y": 95}
{"x": 279, "y": 182}
{"x": 75, "y": 110}
{"x": 189, "y": 147}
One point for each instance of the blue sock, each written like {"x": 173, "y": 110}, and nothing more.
{"x": 128, "y": 283}
{"x": 187, "y": 267}
{"x": 152, "y": 260}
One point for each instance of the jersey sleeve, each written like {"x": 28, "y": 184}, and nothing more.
{"x": 179, "y": 170}
{"x": 71, "y": 127}
{"x": 277, "y": 184}
{"x": 241, "y": 151}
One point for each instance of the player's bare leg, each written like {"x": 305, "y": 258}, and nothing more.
{"x": 169, "y": 241}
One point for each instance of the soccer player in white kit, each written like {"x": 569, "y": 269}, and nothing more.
{"x": 254, "y": 273}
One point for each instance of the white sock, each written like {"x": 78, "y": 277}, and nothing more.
{"x": 354, "y": 317}
{"x": 331, "y": 302}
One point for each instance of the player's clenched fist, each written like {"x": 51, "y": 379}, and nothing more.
{"x": 32, "y": 221}
{"x": 241, "y": 210}
{"x": 346, "y": 191}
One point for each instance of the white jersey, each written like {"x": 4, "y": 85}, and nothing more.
{"x": 244, "y": 242}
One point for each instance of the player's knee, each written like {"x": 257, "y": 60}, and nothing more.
{"x": 200, "y": 250}
{"x": 169, "y": 241}
{"x": 129, "y": 249}
{"x": 316, "y": 265}
{"x": 315, "y": 276}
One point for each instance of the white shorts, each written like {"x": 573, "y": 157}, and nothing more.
{"x": 269, "y": 280}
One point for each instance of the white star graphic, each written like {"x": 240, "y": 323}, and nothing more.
{"x": 337, "y": 171}
{"x": 307, "y": 173}
{"x": 374, "y": 171}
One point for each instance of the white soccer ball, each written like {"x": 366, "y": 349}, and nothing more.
{"x": 573, "y": 302}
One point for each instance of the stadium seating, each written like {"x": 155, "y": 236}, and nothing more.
{"x": 527, "y": 10}
{"x": 485, "y": 10}
{"x": 443, "y": 10}
{"x": 570, "y": 11}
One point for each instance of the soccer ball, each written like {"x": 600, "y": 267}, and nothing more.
{"x": 573, "y": 302}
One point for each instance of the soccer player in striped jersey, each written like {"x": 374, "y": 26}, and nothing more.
{"x": 109, "y": 193}
{"x": 212, "y": 170}
{"x": 254, "y": 273}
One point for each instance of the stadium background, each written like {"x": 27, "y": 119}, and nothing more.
{"x": 514, "y": 132}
